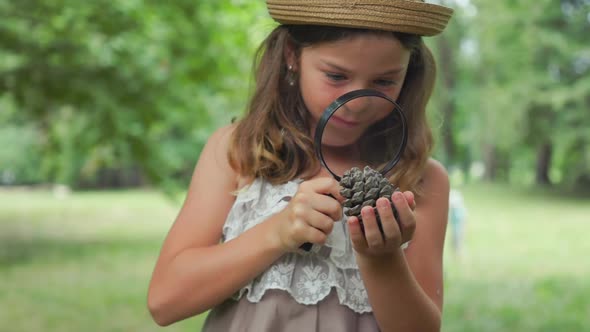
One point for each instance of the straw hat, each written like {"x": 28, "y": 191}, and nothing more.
{"x": 409, "y": 16}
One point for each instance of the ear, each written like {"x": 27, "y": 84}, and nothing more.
{"x": 289, "y": 54}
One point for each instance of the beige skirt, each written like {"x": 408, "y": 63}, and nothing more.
{"x": 278, "y": 312}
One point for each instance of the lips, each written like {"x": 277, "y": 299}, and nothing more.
{"x": 344, "y": 122}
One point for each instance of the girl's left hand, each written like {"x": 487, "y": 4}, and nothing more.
{"x": 395, "y": 232}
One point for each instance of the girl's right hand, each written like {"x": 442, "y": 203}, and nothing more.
{"x": 310, "y": 214}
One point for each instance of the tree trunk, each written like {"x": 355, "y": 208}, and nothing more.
{"x": 490, "y": 162}
{"x": 109, "y": 178}
{"x": 544, "y": 154}
{"x": 446, "y": 69}
{"x": 497, "y": 164}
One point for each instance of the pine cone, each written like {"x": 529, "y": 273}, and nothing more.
{"x": 363, "y": 188}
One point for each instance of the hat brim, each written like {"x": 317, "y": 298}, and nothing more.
{"x": 390, "y": 15}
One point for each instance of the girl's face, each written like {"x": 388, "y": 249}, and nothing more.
{"x": 329, "y": 70}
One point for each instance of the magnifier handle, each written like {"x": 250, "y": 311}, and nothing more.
{"x": 306, "y": 246}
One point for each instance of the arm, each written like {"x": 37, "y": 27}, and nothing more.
{"x": 186, "y": 279}
{"x": 405, "y": 288}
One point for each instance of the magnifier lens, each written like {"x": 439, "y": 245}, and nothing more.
{"x": 351, "y": 121}
{"x": 363, "y": 132}
{"x": 361, "y": 128}
{"x": 360, "y": 138}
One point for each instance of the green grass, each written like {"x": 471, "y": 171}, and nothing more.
{"x": 83, "y": 262}
{"x": 525, "y": 265}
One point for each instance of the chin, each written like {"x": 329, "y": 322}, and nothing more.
{"x": 340, "y": 138}
{"x": 339, "y": 142}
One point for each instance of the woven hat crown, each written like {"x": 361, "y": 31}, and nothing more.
{"x": 409, "y": 16}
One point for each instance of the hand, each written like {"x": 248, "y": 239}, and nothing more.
{"x": 395, "y": 232}
{"x": 310, "y": 214}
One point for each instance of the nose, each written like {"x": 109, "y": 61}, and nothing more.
{"x": 358, "y": 105}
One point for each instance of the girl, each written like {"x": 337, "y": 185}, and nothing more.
{"x": 258, "y": 192}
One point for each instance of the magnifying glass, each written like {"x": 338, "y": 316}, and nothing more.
{"x": 359, "y": 138}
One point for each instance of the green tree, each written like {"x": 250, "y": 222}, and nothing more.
{"x": 119, "y": 90}
{"x": 525, "y": 89}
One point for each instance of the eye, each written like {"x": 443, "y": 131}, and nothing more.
{"x": 384, "y": 82}
{"x": 335, "y": 77}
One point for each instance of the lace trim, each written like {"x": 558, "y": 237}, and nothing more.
{"x": 307, "y": 277}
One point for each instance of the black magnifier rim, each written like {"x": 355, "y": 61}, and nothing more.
{"x": 339, "y": 102}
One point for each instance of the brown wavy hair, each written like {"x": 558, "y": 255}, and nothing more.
{"x": 272, "y": 141}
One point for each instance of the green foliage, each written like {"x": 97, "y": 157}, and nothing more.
{"x": 523, "y": 83}
{"x": 134, "y": 88}
{"x": 116, "y": 85}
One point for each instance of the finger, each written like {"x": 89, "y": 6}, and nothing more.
{"x": 327, "y": 205}
{"x": 314, "y": 235}
{"x": 321, "y": 222}
{"x": 327, "y": 186}
{"x": 305, "y": 215}
{"x": 356, "y": 234}
{"x": 372, "y": 231}
{"x": 410, "y": 199}
{"x": 391, "y": 229}
{"x": 301, "y": 232}
{"x": 406, "y": 220}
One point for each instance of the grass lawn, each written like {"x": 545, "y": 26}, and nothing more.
{"x": 83, "y": 262}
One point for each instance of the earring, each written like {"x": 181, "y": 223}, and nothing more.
{"x": 290, "y": 75}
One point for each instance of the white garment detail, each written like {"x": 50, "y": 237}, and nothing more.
{"x": 307, "y": 276}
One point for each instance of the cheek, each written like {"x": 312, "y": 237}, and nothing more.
{"x": 382, "y": 115}
{"x": 317, "y": 97}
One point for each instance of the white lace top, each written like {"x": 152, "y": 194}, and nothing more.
{"x": 307, "y": 276}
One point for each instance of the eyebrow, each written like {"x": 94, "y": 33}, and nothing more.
{"x": 342, "y": 69}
